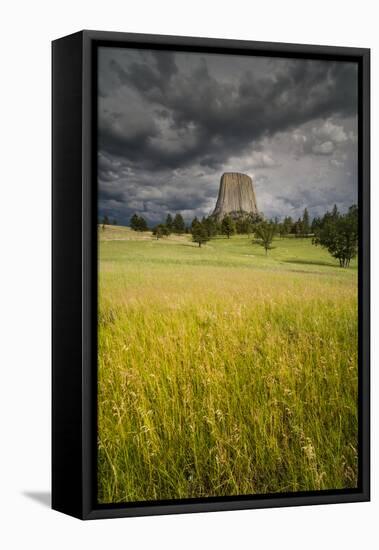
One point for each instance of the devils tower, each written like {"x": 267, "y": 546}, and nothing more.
{"x": 236, "y": 196}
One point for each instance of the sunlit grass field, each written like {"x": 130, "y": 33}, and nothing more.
{"x": 222, "y": 371}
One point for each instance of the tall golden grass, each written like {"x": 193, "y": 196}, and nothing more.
{"x": 221, "y": 372}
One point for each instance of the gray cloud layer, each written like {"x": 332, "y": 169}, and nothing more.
{"x": 171, "y": 123}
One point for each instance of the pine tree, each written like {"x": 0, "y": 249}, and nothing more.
{"x": 134, "y": 222}
{"x": 305, "y": 223}
{"x": 210, "y": 225}
{"x": 194, "y": 222}
{"x": 169, "y": 223}
{"x": 228, "y": 226}
{"x": 142, "y": 225}
{"x": 316, "y": 224}
{"x": 335, "y": 212}
{"x": 287, "y": 223}
{"x": 199, "y": 233}
{"x": 178, "y": 225}
{"x": 138, "y": 223}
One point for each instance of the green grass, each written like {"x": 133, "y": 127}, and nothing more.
{"x": 223, "y": 371}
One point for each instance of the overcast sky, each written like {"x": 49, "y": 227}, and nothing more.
{"x": 171, "y": 123}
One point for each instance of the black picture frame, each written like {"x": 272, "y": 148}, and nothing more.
{"x": 74, "y": 273}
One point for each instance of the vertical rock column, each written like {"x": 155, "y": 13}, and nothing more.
{"x": 236, "y": 195}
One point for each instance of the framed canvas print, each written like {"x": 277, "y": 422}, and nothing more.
{"x": 210, "y": 274}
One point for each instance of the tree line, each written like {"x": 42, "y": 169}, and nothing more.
{"x": 336, "y": 232}
{"x": 228, "y": 226}
{"x": 202, "y": 230}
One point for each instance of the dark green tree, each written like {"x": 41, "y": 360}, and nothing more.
{"x": 338, "y": 233}
{"x": 228, "y": 227}
{"x": 142, "y": 225}
{"x": 305, "y": 223}
{"x": 264, "y": 235}
{"x": 297, "y": 228}
{"x": 114, "y": 222}
{"x": 169, "y": 222}
{"x": 138, "y": 223}
{"x": 335, "y": 213}
{"x": 194, "y": 222}
{"x": 199, "y": 233}
{"x": 134, "y": 222}
{"x": 249, "y": 227}
{"x": 160, "y": 231}
{"x": 210, "y": 226}
{"x": 256, "y": 218}
{"x": 178, "y": 225}
{"x": 243, "y": 225}
{"x": 287, "y": 225}
{"x": 329, "y": 216}
{"x": 316, "y": 224}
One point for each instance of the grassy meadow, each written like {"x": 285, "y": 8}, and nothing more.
{"x": 223, "y": 371}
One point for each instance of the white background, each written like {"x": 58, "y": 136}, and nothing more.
{"x": 26, "y": 31}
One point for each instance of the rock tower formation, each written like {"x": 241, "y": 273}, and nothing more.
{"x": 236, "y": 196}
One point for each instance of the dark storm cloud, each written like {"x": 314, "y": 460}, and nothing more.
{"x": 219, "y": 119}
{"x": 161, "y": 112}
{"x": 144, "y": 75}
